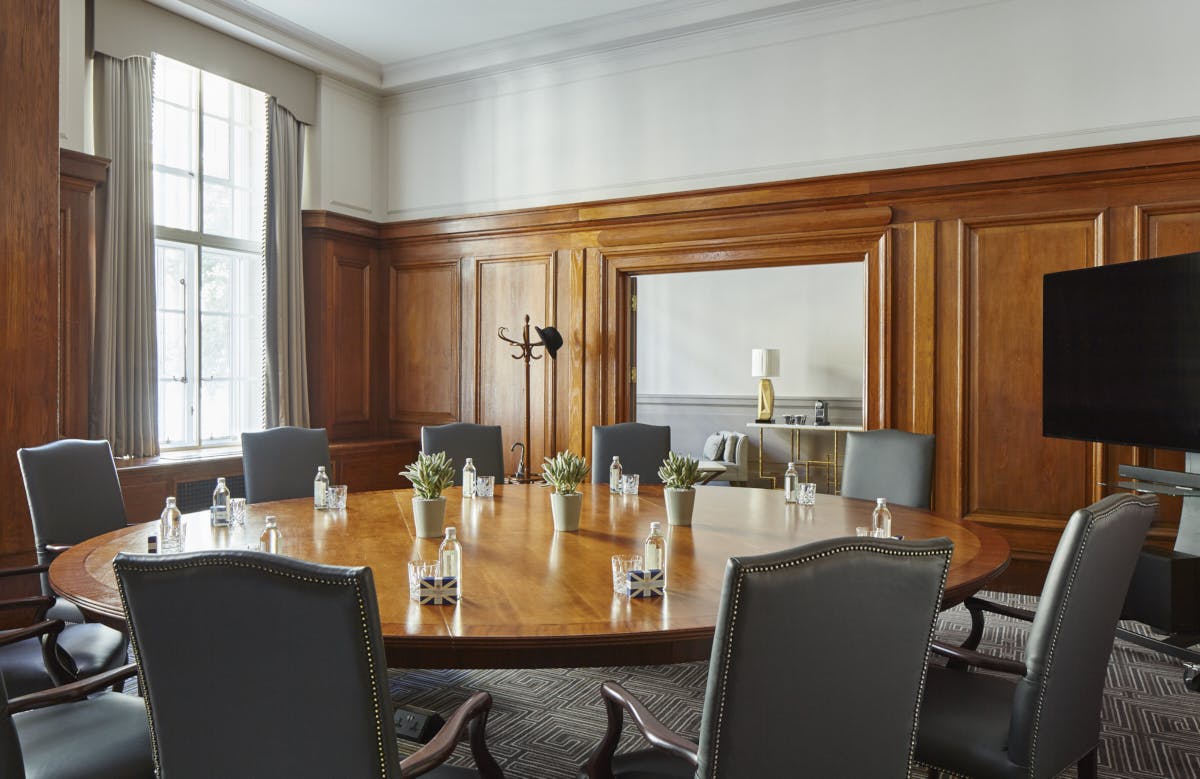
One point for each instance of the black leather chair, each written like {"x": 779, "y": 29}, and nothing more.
{"x": 73, "y": 495}
{"x": 281, "y": 661}
{"x": 642, "y": 449}
{"x": 460, "y": 440}
{"x": 281, "y": 463}
{"x": 889, "y": 464}
{"x": 62, "y": 733}
{"x": 795, "y": 687}
{"x": 1047, "y": 718}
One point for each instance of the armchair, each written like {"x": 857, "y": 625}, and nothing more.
{"x": 285, "y": 657}
{"x": 1048, "y": 718}
{"x": 69, "y": 731}
{"x": 81, "y": 650}
{"x": 786, "y": 672}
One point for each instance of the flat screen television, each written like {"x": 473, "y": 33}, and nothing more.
{"x": 1121, "y": 353}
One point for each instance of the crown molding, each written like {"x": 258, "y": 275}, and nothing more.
{"x": 665, "y": 20}
{"x": 250, "y": 24}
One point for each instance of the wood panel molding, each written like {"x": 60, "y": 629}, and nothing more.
{"x": 80, "y": 175}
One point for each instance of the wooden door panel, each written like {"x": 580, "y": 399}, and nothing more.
{"x": 1167, "y": 230}
{"x": 350, "y": 352}
{"x": 506, "y": 289}
{"x": 423, "y": 329}
{"x": 1012, "y": 470}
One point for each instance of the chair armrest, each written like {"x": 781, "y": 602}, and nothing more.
{"x": 978, "y": 659}
{"x": 618, "y": 699}
{"x": 36, "y": 630}
{"x": 75, "y": 691}
{"x": 972, "y": 603}
{"x": 471, "y": 716}
{"x": 24, "y": 570}
{"x": 41, "y": 602}
{"x": 58, "y": 548}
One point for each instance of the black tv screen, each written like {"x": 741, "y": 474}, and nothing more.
{"x": 1121, "y": 353}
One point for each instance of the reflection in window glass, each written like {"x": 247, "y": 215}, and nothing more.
{"x": 209, "y": 141}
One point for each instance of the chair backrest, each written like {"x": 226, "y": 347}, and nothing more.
{"x": 459, "y": 440}
{"x": 1056, "y": 707}
{"x": 280, "y": 463}
{"x": 889, "y": 464}
{"x": 73, "y": 492}
{"x": 281, "y": 660}
{"x": 819, "y": 658}
{"x": 642, "y": 449}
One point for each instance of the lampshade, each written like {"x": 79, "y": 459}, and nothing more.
{"x": 764, "y": 363}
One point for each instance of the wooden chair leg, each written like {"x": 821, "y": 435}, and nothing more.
{"x": 1087, "y": 766}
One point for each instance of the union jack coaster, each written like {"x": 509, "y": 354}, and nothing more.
{"x": 438, "y": 591}
{"x": 647, "y": 584}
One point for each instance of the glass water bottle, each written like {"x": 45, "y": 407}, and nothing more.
{"x": 170, "y": 528}
{"x": 320, "y": 488}
{"x": 791, "y": 485}
{"x": 654, "y": 555}
{"x": 468, "y": 483}
{"x": 271, "y": 539}
{"x": 614, "y": 475}
{"x": 219, "y": 513}
{"x": 450, "y": 557}
{"x": 881, "y": 519}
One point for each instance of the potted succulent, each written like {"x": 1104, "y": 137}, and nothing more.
{"x": 679, "y": 474}
{"x": 430, "y": 474}
{"x": 564, "y": 472}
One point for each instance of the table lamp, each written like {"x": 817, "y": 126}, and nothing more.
{"x": 764, "y": 365}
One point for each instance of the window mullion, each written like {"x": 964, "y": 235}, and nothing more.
{"x": 198, "y": 392}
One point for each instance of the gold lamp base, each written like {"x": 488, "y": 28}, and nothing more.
{"x": 766, "y": 401}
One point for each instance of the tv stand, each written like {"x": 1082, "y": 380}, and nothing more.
{"x": 1165, "y": 590}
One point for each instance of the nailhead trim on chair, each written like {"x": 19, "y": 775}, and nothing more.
{"x": 338, "y": 581}
{"x": 878, "y": 549}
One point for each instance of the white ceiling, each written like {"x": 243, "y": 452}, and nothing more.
{"x": 398, "y": 45}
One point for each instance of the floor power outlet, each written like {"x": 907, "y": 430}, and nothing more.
{"x": 417, "y": 724}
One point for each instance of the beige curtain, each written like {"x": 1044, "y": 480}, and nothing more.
{"x": 124, "y": 391}
{"x": 286, "y": 384}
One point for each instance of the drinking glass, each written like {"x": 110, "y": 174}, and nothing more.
{"x": 237, "y": 512}
{"x": 335, "y": 498}
{"x": 621, "y": 566}
{"x": 485, "y": 486}
{"x": 629, "y": 483}
{"x": 807, "y": 493}
{"x": 418, "y": 570}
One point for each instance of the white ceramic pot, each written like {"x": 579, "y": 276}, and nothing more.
{"x": 429, "y": 514}
{"x": 680, "y": 504}
{"x": 566, "y": 510}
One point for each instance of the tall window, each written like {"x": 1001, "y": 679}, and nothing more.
{"x": 209, "y": 166}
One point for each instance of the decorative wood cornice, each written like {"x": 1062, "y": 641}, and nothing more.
{"x": 340, "y": 224}
{"x": 85, "y": 167}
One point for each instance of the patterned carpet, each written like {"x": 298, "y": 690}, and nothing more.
{"x": 545, "y": 722}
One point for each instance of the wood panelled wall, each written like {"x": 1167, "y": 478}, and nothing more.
{"x": 29, "y": 267}
{"x": 955, "y": 254}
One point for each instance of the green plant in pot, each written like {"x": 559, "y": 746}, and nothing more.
{"x": 430, "y": 474}
{"x": 679, "y": 474}
{"x": 564, "y": 472}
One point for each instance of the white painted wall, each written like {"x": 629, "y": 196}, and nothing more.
{"x": 74, "y": 75}
{"x": 856, "y": 86}
{"x": 695, "y": 330}
{"x": 346, "y": 153}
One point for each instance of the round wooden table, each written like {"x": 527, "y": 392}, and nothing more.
{"x": 533, "y": 597}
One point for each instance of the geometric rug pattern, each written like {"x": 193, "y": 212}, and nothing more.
{"x": 545, "y": 721}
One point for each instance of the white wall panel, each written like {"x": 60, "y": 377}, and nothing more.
{"x": 861, "y": 86}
